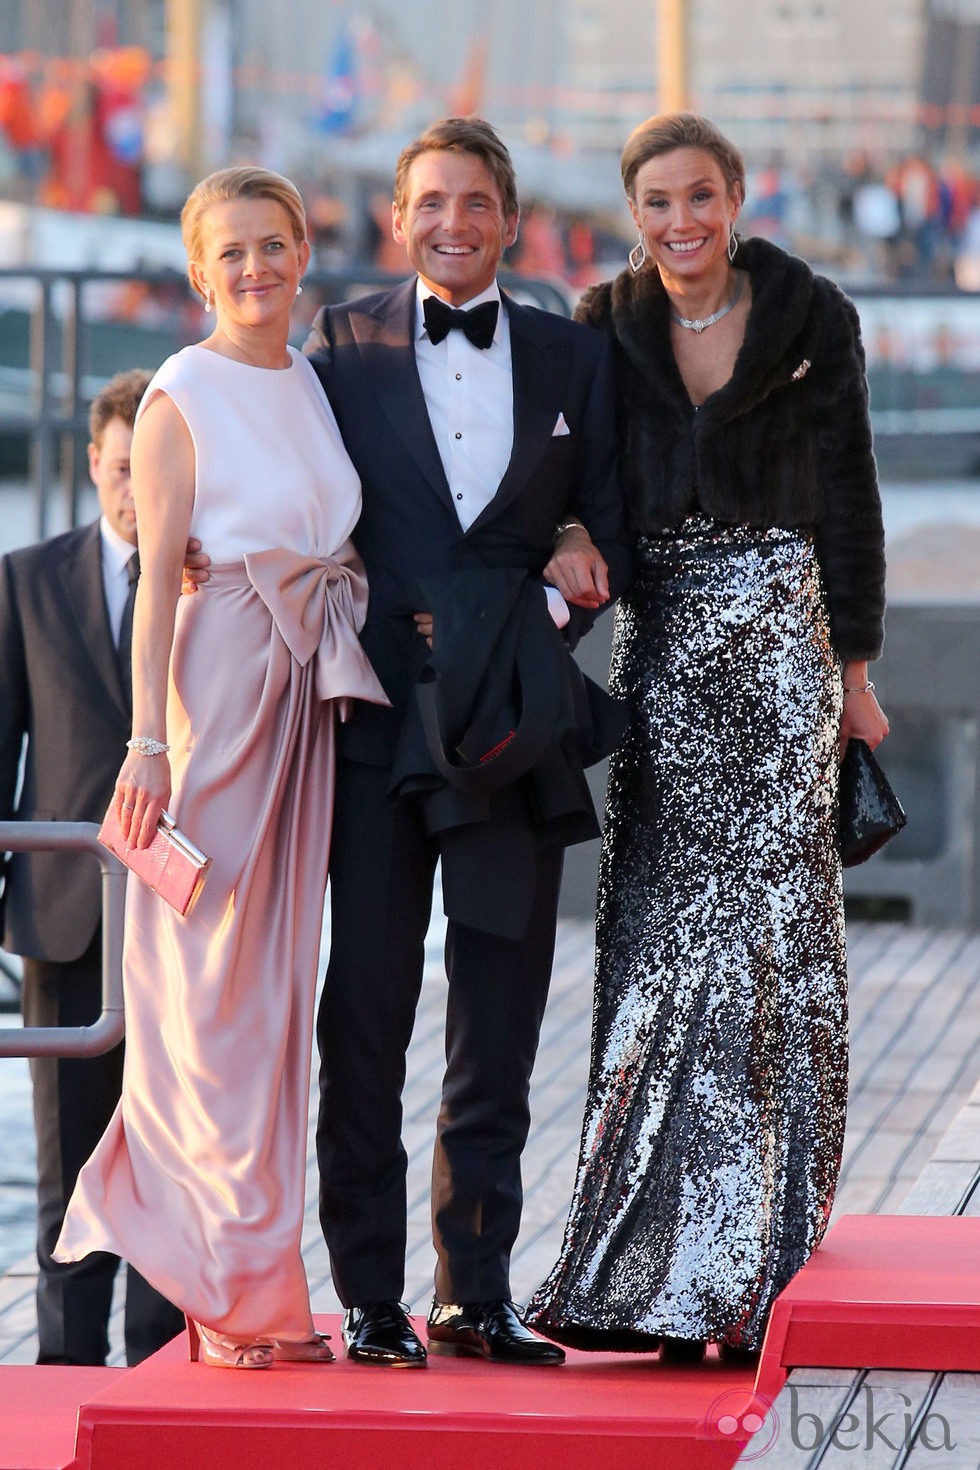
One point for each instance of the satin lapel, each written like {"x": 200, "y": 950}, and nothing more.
{"x": 384, "y": 339}
{"x": 539, "y": 391}
{"x": 81, "y": 582}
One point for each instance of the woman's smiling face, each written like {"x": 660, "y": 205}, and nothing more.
{"x": 250, "y": 261}
{"x": 685, "y": 211}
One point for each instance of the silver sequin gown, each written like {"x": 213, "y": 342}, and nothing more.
{"x": 716, "y": 1102}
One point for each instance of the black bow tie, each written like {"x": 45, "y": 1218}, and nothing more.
{"x": 478, "y": 324}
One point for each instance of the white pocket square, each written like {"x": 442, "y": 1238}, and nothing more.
{"x": 560, "y": 426}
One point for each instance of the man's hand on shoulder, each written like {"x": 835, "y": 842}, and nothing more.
{"x": 423, "y": 622}
{"x": 196, "y": 564}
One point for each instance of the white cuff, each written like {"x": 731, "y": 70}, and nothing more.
{"x": 558, "y": 607}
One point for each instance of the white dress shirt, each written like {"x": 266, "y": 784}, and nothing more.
{"x": 115, "y": 574}
{"x": 469, "y": 393}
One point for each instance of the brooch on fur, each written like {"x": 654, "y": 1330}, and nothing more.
{"x": 801, "y": 371}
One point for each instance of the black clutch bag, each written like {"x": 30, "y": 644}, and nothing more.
{"x": 869, "y": 813}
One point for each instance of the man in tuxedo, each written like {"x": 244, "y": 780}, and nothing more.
{"x": 65, "y": 625}
{"x": 483, "y": 434}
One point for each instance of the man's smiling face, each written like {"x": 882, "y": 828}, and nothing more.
{"x": 453, "y": 225}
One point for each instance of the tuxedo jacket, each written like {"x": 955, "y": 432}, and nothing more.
{"x": 363, "y": 352}
{"x": 60, "y": 687}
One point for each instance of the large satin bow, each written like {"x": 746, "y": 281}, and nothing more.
{"x": 318, "y": 604}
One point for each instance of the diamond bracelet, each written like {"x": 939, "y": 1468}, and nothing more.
{"x": 146, "y": 745}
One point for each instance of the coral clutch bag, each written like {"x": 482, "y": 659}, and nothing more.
{"x": 172, "y": 866}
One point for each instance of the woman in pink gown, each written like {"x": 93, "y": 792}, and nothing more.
{"x": 199, "y": 1178}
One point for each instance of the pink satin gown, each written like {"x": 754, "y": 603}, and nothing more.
{"x": 199, "y": 1179}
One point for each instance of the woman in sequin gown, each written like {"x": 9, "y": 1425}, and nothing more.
{"x": 199, "y": 1178}
{"x": 717, "y": 1094}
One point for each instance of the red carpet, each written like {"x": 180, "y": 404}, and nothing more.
{"x": 38, "y": 1411}
{"x": 883, "y": 1291}
{"x": 596, "y": 1411}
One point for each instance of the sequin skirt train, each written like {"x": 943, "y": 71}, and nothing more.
{"x": 715, "y": 1112}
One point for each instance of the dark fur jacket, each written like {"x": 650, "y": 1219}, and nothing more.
{"x": 786, "y": 441}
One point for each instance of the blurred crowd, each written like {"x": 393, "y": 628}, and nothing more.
{"x": 912, "y": 221}
{"x": 82, "y": 142}
{"x": 913, "y": 224}
{"x": 91, "y": 136}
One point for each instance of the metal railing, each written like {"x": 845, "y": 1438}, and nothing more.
{"x": 105, "y": 1033}
{"x": 73, "y": 347}
{"x": 64, "y": 332}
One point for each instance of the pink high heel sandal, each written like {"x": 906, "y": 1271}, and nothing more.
{"x": 315, "y": 1349}
{"x": 220, "y": 1352}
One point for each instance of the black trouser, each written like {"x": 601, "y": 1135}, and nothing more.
{"x": 73, "y": 1101}
{"x": 381, "y": 875}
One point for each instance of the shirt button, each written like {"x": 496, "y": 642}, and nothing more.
{"x": 459, "y": 377}
{"x": 459, "y": 496}
{"x": 459, "y": 436}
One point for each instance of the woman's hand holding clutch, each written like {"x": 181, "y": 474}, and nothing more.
{"x": 862, "y": 717}
{"x": 142, "y": 791}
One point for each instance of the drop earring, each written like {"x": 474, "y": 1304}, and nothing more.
{"x": 732, "y": 245}
{"x": 208, "y": 300}
{"x": 638, "y": 254}
{"x": 299, "y": 289}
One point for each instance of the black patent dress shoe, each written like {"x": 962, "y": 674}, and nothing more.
{"x": 682, "y": 1352}
{"x": 380, "y": 1332}
{"x": 601, "y": 1339}
{"x": 739, "y": 1357}
{"x": 488, "y": 1330}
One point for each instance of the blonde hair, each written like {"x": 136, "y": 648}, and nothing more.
{"x": 245, "y": 182}
{"x": 670, "y": 130}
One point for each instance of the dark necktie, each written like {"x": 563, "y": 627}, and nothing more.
{"x": 478, "y": 324}
{"x": 125, "y": 649}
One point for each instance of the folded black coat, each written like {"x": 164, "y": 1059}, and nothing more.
{"x": 495, "y": 742}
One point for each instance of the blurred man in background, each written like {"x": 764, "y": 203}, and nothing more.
{"x": 65, "y": 685}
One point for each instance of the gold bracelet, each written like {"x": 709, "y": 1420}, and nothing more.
{"x": 860, "y": 689}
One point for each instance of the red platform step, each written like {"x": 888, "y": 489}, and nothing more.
{"x": 39, "y": 1413}
{"x": 882, "y": 1291}
{"x": 632, "y": 1412}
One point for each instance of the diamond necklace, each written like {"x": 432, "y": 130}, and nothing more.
{"x": 698, "y": 324}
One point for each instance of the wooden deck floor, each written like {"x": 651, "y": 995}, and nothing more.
{"x": 915, "y": 1048}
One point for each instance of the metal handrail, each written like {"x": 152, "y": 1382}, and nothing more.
{"x": 108, "y": 1030}
{"x": 56, "y": 422}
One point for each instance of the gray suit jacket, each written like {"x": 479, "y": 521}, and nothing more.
{"x": 60, "y": 688}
